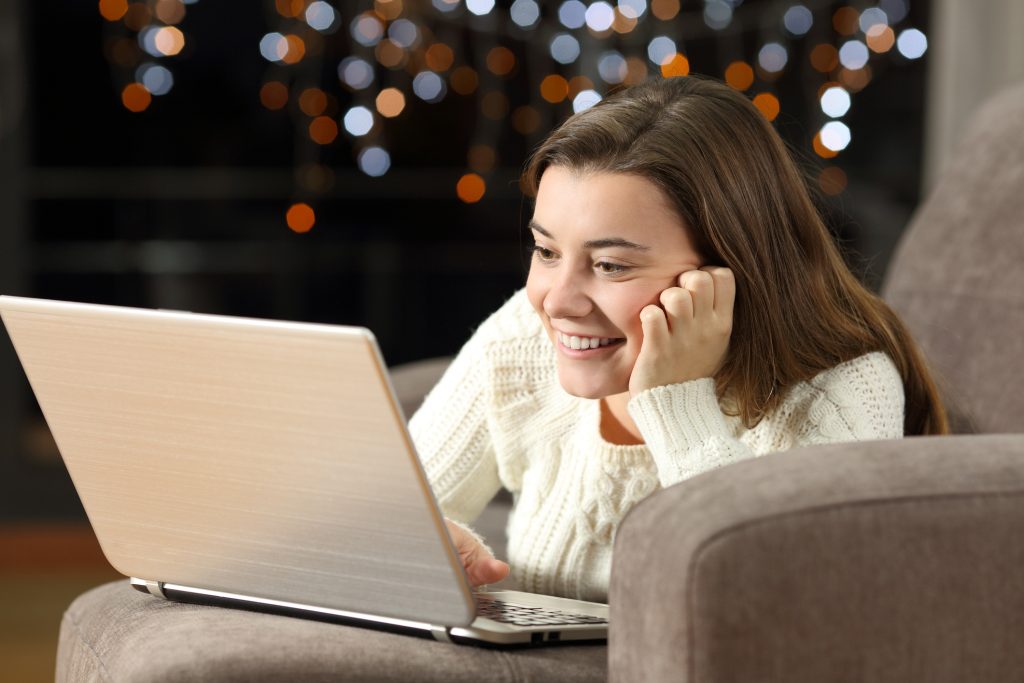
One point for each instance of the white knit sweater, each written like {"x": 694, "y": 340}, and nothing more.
{"x": 499, "y": 417}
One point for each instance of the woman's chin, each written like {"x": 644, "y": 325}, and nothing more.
{"x": 586, "y": 387}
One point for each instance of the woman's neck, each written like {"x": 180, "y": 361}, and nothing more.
{"x": 617, "y": 426}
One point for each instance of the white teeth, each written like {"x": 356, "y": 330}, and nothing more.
{"x": 583, "y": 343}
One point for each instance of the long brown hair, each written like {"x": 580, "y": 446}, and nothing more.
{"x": 799, "y": 310}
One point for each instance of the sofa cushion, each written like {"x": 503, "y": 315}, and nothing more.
{"x": 114, "y": 633}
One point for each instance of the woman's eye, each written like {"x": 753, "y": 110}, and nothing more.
{"x": 543, "y": 254}
{"x": 611, "y": 268}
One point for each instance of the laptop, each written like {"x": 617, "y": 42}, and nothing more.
{"x": 264, "y": 465}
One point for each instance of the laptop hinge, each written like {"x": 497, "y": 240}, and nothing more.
{"x": 156, "y": 588}
{"x": 440, "y": 633}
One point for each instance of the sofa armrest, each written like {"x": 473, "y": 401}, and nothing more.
{"x": 873, "y": 561}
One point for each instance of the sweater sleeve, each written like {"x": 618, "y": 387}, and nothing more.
{"x": 451, "y": 434}
{"x": 687, "y": 433}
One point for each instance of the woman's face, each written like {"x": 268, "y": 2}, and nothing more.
{"x": 607, "y": 244}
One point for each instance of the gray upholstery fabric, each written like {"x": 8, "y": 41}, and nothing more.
{"x": 958, "y": 274}
{"x": 886, "y": 562}
{"x": 114, "y": 633}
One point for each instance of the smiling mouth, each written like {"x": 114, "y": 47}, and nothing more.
{"x": 584, "y": 343}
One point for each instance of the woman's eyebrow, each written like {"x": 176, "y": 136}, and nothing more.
{"x": 604, "y": 243}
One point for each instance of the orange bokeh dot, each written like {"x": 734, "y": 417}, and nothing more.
{"x": 855, "y": 80}
{"x": 170, "y": 11}
{"x": 824, "y": 58}
{"x": 666, "y": 10}
{"x": 578, "y": 84}
{"x": 112, "y": 10}
{"x": 481, "y": 158}
{"x": 464, "y": 80}
{"x": 678, "y": 65}
{"x": 390, "y": 102}
{"x": 313, "y": 101}
{"x": 554, "y": 88}
{"x": 526, "y": 120}
{"x": 471, "y": 188}
{"x": 739, "y": 75}
{"x": 832, "y": 180}
{"x": 135, "y": 97}
{"x": 439, "y": 57}
{"x": 623, "y": 24}
{"x": 296, "y": 49}
{"x": 323, "y": 130}
{"x": 138, "y": 16}
{"x": 300, "y": 217}
{"x": 821, "y": 150}
{"x": 169, "y": 40}
{"x": 389, "y": 53}
{"x": 880, "y": 38}
{"x": 636, "y": 70}
{"x": 845, "y": 21}
{"x": 290, "y": 8}
{"x": 501, "y": 61}
{"x": 767, "y": 104}
{"x": 388, "y": 9}
{"x": 274, "y": 95}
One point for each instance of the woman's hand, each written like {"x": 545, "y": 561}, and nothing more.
{"x": 687, "y": 336}
{"x": 481, "y": 567}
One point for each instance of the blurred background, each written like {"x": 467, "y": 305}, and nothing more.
{"x": 358, "y": 163}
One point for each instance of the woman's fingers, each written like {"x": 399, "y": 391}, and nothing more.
{"x": 701, "y": 287}
{"x": 479, "y": 563}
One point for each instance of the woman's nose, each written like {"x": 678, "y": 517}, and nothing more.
{"x": 567, "y": 298}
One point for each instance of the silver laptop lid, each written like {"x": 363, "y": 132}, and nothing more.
{"x": 238, "y": 455}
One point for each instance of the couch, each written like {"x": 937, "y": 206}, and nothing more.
{"x": 882, "y": 561}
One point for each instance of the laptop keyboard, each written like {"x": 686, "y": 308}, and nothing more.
{"x": 523, "y": 615}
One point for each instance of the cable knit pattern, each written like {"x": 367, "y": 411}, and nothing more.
{"x": 498, "y": 417}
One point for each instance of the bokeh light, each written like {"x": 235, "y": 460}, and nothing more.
{"x": 390, "y": 102}
{"x": 464, "y": 80}
{"x": 157, "y": 79}
{"x": 912, "y": 43}
{"x": 274, "y": 95}
{"x": 388, "y": 10}
{"x": 798, "y": 20}
{"x": 565, "y": 49}
{"x": 739, "y": 75}
{"x": 300, "y": 217}
{"x": 572, "y": 14}
{"x": 169, "y": 40}
{"x": 356, "y": 73}
{"x": 501, "y": 61}
{"x": 367, "y": 29}
{"x": 526, "y": 120}
{"x": 895, "y": 10}
{"x": 768, "y": 105}
{"x": 661, "y": 49}
{"x": 665, "y": 10}
{"x": 358, "y": 121}
{"x": 135, "y": 97}
{"x": 772, "y": 57}
{"x": 374, "y": 161}
{"x": 717, "y": 14}
{"x": 289, "y": 8}
{"x": 470, "y": 188}
{"x": 439, "y": 57}
{"x": 835, "y": 135}
{"x": 872, "y": 16}
{"x": 554, "y": 88}
{"x": 404, "y": 33}
{"x": 599, "y": 16}
{"x": 323, "y": 130}
{"x": 678, "y": 65}
{"x": 313, "y": 101}
{"x": 170, "y": 11}
{"x": 390, "y": 54}
{"x": 821, "y": 150}
{"x": 494, "y": 105}
{"x": 832, "y": 180}
{"x": 824, "y": 58}
{"x": 321, "y": 16}
{"x": 585, "y": 100}
{"x": 611, "y": 66}
{"x": 429, "y": 87}
{"x": 481, "y": 158}
{"x": 845, "y": 21}
{"x": 880, "y": 38}
{"x": 113, "y": 10}
{"x": 835, "y": 102}
{"x": 525, "y": 13}
{"x": 480, "y": 7}
{"x": 853, "y": 54}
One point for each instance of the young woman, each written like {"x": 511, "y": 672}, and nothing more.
{"x": 685, "y": 308}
